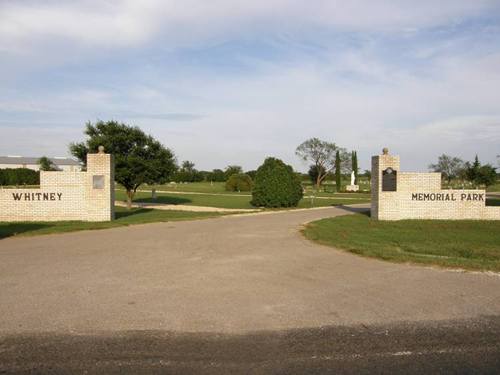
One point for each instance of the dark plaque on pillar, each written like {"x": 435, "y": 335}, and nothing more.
{"x": 389, "y": 180}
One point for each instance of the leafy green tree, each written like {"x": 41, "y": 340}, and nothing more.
{"x": 313, "y": 174}
{"x": 188, "y": 166}
{"x": 232, "y": 169}
{"x": 139, "y": 158}
{"x": 19, "y": 176}
{"x": 276, "y": 185}
{"x": 217, "y": 175}
{"x": 338, "y": 175}
{"x": 450, "y": 167}
{"x": 321, "y": 154}
{"x": 188, "y": 173}
{"x": 46, "y": 164}
{"x": 252, "y": 174}
{"x": 486, "y": 175}
{"x": 472, "y": 170}
{"x": 239, "y": 182}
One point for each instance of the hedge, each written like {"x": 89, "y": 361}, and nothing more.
{"x": 19, "y": 176}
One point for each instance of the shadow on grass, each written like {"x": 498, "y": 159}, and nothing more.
{"x": 164, "y": 199}
{"x": 272, "y": 351}
{"x": 123, "y": 214}
{"x": 358, "y": 210}
{"x": 493, "y": 201}
{"x": 12, "y": 229}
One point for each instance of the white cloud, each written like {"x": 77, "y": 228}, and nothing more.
{"x": 450, "y": 105}
{"x": 24, "y": 25}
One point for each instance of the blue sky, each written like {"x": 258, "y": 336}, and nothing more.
{"x": 231, "y": 82}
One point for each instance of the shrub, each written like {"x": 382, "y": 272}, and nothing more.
{"x": 239, "y": 182}
{"x": 217, "y": 175}
{"x": 19, "y": 176}
{"x": 232, "y": 169}
{"x": 276, "y": 185}
{"x": 486, "y": 175}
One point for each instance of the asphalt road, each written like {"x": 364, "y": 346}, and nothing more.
{"x": 243, "y": 294}
{"x": 458, "y": 347}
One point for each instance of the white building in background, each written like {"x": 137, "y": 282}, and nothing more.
{"x": 62, "y": 163}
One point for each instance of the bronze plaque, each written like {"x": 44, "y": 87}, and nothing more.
{"x": 389, "y": 180}
{"x": 98, "y": 182}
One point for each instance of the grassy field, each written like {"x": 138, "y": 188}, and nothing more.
{"x": 465, "y": 244}
{"x": 196, "y": 187}
{"x": 219, "y": 187}
{"x": 494, "y": 188}
{"x": 235, "y": 200}
{"x": 123, "y": 218}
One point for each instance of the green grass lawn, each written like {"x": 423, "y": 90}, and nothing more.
{"x": 494, "y": 188}
{"x": 465, "y": 244}
{"x": 221, "y": 201}
{"x": 234, "y": 201}
{"x": 194, "y": 187}
{"x": 123, "y": 218}
{"x": 220, "y": 188}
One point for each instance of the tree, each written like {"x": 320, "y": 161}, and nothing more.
{"x": 313, "y": 173}
{"x": 188, "y": 166}
{"x": 276, "y": 185}
{"x": 472, "y": 170}
{"x": 46, "y": 164}
{"x": 322, "y": 155}
{"x": 188, "y": 173}
{"x": 217, "y": 175}
{"x": 252, "y": 174}
{"x": 450, "y": 167}
{"x": 338, "y": 175}
{"x": 354, "y": 161}
{"x": 139, "y": 158}
{"x": 239, "y": 182}
{"x": 19, "y": 176}
{"x": 232, "y": 169}
{"x": 486, "y": 175}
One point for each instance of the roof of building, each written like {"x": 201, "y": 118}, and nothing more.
{"x": 33, "y": 160}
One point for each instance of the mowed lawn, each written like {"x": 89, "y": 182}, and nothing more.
{"x": 123, "y": 218}
{"x": 197, "y": 187}
{"x": 469, "y": 244}
{"x": 233, "y": 200}
{"x": 220, "y": 188}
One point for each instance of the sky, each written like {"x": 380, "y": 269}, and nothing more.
{"x": 231, "y": 82}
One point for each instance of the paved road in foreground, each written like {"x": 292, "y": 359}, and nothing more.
{"x": 446, "y": 347}
{"x": 235, "y": 294}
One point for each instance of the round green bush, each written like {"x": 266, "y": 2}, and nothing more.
{"x": 239, "y": 182}
{"x": 276, "y": 185}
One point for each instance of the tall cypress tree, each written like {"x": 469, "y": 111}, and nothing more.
{"x": 338, "y": 177}
{"x": 354, "y": 160}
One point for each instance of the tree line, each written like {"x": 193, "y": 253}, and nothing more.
{"x": 454, "y": 168}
